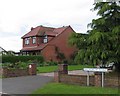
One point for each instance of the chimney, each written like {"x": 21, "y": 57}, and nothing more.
{"x": 32, "y": 28}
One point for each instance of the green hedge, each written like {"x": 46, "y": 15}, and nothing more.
{"x": 14, "y": 59}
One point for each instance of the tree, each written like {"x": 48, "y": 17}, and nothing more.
{"x": 105, "y": 33}
{"x": 101, "y": 44}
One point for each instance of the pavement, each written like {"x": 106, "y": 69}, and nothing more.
{"x": 24, "y": 84}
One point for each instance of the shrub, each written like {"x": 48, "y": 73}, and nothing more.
{"x": 14, "y": 59}
{"x": 71, "y": 62}
{"x": 18, "y": 65}
{"x": 52, "y": 63}
{"x": 49, "y": 63}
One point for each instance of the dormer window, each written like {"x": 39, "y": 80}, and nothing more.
{"x": 45, "y": 40}
{"x": 27, "y": 41}
{"x": 34, "y": 40}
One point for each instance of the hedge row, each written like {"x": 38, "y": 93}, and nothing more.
{"x": 14, "y": 59}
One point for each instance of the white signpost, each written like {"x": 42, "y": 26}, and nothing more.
{"x": 102, "y": 70}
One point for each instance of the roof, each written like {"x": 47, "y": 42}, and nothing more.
{"x": 37, "y": 31}
{"x": 1, "y": 49}
{"x": 34, "y": 48}
{"x": 41, "y": 30}
{"x": 59, "y": 30}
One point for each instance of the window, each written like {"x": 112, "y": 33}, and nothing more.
{"x": 27, "y": 41}
{"x": 34, "y": 40}
{"x": 45, "y": 40}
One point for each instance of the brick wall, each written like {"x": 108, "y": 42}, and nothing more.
{"x": 95, "y": 80}
{"x": 112, "y": 82}
{"x": 14, "y": 72}
{"x": 49, "y": 53}
{"x": 61, "y": 42}
{"x": 76, "y": 79}
{"x": 31, "y": 70}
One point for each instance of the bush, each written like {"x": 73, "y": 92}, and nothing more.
{"x": 52, "y": 63}
{"x": 71, "y": 62}
{"x": 14, "y": 59}
{"x": 18, "y": 65}
{"x": 49, "y": 63}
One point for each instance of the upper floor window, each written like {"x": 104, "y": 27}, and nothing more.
{"x": 45, "y": 40}
{"x": 27, "y": 41}
{"x": 34, "y": 40}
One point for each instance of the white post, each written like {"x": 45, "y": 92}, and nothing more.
{"x": 102, "y": 79}
{"x": 88, "y": 78}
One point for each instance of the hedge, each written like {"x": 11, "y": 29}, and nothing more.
{"x": 14, "y": 59}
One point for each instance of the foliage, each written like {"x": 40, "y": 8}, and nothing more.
{"x": 101, "y": 43}
{"x": 12, "y": 53}
{"x": 14, "y": 59}
{"x": 49, "y": 63}
{"x": 17, "y": 65}
{"x": 60, "y": 55}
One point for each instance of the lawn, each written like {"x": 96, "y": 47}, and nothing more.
{"x": 59, "y": 88}
{"x": 46, "y": 69}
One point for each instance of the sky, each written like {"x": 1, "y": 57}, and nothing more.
{"x": 18, "y": 16}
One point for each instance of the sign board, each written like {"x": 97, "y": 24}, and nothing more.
{"x": 95, "y": 69}
{"x": 102, "y": 70}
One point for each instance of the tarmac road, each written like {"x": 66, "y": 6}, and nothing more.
{"x": 27, "y": 84}
{"x": 24, "y": 84}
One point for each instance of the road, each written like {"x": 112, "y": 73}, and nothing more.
{"x": 27, "y": 84}
{"x": 24, "y": 85}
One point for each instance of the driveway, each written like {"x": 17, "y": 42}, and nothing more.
{"x": 24, "y": 85}
{"x": 75, "y": 72}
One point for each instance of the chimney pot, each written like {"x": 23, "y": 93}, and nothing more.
{"x": 32, "y": 28}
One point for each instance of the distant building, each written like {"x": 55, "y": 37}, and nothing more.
{"x": 51, "y": 43}
{"x": 3, "y": 51}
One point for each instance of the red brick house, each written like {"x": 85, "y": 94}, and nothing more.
{"x": 51, "y": 43}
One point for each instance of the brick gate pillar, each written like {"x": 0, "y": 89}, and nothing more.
{"x": 57, "y": 76}
{"x": 63, "y": 68}
{"x": 32, "y": 69}
{"x": 98, "y": 79}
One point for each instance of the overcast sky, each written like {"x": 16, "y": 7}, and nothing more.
{"x": 18, "y": 16}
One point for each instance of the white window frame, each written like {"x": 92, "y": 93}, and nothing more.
{"x": 34, "y": 40}
{"x": 27, "y": 41}
{"x": 45, "y": 40}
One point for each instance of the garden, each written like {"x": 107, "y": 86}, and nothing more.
{"x": 22, "y": 62}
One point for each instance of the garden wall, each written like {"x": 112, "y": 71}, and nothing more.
{"x": 95, "y": 80}
{"x": 112, "y": 82}
{"x": 31, "y": 70}
{"x": 76, "y": 79}
{"x": 14, "y": 72}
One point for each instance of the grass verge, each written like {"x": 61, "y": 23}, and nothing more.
{"x": 46, "y": 69}
{"x": 59, "y": 88}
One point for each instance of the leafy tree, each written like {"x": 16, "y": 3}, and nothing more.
{"x": 101, "y": 44}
